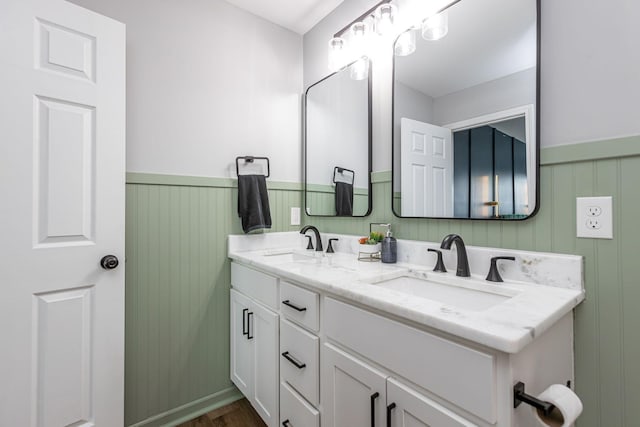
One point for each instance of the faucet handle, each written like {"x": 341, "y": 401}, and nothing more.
{"x": 494, "y": 274}
{"x": 330, "y": 247}
{"x": 309, "y": 243}
{"x": 439, "y": 263}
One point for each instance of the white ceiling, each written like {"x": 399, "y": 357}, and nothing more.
{"x": 487, "y": 39}
{"x": 297, "y": 15}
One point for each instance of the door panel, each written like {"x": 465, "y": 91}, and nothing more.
{"x": 481, "y": 172}
{"x": 413, "y": 409}
{"x": 347, "y": 388}
{"x": 503, "y": 171}
{"x": 241, "y": 345}
{"x": 426, "y": 154}
{"x": 264, "y": 328}
{"x": 62, "y": 175}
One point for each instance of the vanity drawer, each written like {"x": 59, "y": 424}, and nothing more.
{"x": 257, "y": 285}
{"x": 300, "y": 305}
{"x": 296, "y": 410}
{"x": 299, "y": 360}
{"x": 462, "y": 375}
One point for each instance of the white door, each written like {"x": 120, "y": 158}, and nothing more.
{"x": 408, "y": 408}
{"x": 241, "y": 345}
{"x": 62, "y": 118}
{"x": 263, "y": 329}
{"x": 352, "y": 391}
{"x": 426, "y": 158}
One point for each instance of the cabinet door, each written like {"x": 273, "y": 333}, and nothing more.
{"x": 353, "y": 393}
{"x": 241, "y": 345}
{"x": 408, "y": 408}
{"x": 263, "y": 331}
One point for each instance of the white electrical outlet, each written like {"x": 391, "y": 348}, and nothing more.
{"x": 295, "y": 216}
{"x": 594, "y": 217}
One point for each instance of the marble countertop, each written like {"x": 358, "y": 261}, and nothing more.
{"x": 530, "y": 307}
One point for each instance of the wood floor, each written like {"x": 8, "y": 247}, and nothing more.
{"x": 237, "y": 414}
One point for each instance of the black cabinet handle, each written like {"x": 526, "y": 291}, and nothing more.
{"x": 295, "y": 307}
{"x": 249, "y": 336}
{"x": 374, "y": 396}
{"x": 389, "y": 409}
{"x": 295, "y": 362}
{"x": 245, "y": 331}
{"x": 286, "y": 423}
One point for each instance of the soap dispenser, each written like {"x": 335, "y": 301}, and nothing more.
{"x": 389, "y": 253}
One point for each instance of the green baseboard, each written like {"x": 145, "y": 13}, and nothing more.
{"x": 192, "y": 410}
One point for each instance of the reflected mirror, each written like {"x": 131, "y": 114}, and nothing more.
{"x": 465, "y": 126}
{"x": 338, "y": 145}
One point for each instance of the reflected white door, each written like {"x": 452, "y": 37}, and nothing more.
{"x": 62, "y": 107}
{"x": 426, "y": 180}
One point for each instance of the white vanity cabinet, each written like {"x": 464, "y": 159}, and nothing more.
{"x": 254, "y": 341}
{"x": 305, "y": 358}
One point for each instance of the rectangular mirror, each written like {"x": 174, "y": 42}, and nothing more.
{"x": 338, "y": 145}
{"x": 465, "y": 139}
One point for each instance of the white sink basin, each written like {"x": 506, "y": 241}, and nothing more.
{"x": 468, "y": 296}
{"x": 281, "y": 257}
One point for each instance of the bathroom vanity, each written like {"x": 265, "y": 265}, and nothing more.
{"x": 325, "y": 340}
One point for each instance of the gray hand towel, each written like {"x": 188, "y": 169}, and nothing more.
{"x": 344, "y": 199}
{"x": 253, "y": 202}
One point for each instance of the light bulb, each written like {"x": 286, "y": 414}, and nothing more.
{"x": 385, "y": 16}
{"x": 436, "y": 26}
{"x": 358, "y": 40}
{"x": 359, "y": 70}
{"x": 405, "y": 44}
{"x": 337, "y": 53}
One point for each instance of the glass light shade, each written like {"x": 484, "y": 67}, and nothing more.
{"x": 337, "y": 53}
{"x": 436, "y": 26}
{"x": 358, "y": 41}
{"x": 359, "y": 70}
{"x": 385, "y": 17}
{"x": 405, "y": 44}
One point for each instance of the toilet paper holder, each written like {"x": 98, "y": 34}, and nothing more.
{"x": 520, "y": 396}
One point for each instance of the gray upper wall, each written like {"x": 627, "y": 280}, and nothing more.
{"x": 590, "y": 84}
{"x": 206, "y": 82}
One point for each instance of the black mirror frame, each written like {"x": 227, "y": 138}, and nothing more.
{"x": 537, "y": 127}
{"x": 369, "y": 142}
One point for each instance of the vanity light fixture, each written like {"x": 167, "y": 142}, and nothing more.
{"x": 359, "y": 36}
{"x": 353, "y": 42}
{"x": 436, "y": 27}
{"x": 385, "y": 16}
{"x": 406, "y": 43}
{"x": 337, "y": 53}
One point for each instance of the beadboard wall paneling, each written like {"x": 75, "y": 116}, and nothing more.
{"x": 178, "y": 276}
{"x": 177, "y": 292}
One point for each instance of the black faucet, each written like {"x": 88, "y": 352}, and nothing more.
{"x": 463, "y": 261}
{"x": 316, "y": 232}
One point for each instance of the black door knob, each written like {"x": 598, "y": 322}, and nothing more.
{"x": 109, "y": 262}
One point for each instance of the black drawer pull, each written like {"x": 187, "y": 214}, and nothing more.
{"x": 374, "y": 396}
{"x": 245, "y": 331}
{"x": 249, "y": 336}
{"x": 295, "y": 307}
{"x": 295, "y": 362}
{"x": 286, "y": 423}
{"x": 389, "y": 409}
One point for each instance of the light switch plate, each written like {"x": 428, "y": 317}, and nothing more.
{"x": 594, "y": 217}
{"x": 295, "y": 216}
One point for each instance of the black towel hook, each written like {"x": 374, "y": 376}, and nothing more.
{"x": 250, "y": 159}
